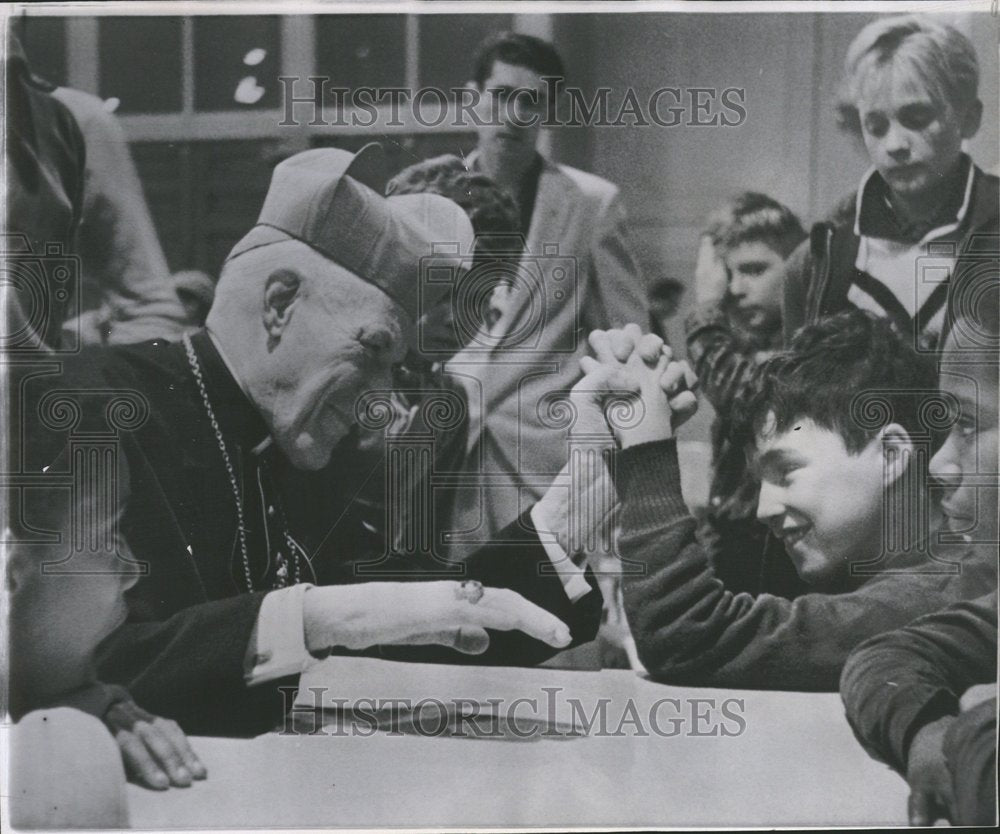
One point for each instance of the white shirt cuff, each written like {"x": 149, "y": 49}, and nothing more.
{"x": 571, "y": 575}
{"x": 277, "y": 646}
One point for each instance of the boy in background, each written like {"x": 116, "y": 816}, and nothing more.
{"x": 910, "y": 93}
{"x": 736, "y": 324}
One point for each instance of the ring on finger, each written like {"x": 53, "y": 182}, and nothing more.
{"x": 471, "y": 590}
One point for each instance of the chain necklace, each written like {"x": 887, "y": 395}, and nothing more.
{"x": 281, "y": 577}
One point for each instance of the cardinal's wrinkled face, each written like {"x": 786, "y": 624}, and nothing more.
{"x": 328, "y": 338}
{"x": 331, "y": 358}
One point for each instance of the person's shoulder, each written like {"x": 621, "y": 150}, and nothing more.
{"x": 986, "y": 199}
{"x": 989, "y": 177}
{"x": 839, "y": 219}
{"x": 88, "y": 110}
{"x": 843, "y": 212}
{"x": 589, "y": 185}
{"x": 110, "y": 372}
{"x": 52, "y": 111}
{"x": 119, "y": 361}
{"x": 80, "y": 102}
{"x": 124, "y": 391}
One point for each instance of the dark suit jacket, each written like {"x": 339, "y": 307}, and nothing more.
{"x": 181, "y": 651}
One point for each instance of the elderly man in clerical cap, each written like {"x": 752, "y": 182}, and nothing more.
{"x": 231, "y": 441}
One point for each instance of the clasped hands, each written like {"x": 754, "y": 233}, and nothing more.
{"x": 638, "y": 370}
{"x": 626, "y": 365}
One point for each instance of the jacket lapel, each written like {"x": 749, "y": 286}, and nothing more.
{"x": 549, "y": 225}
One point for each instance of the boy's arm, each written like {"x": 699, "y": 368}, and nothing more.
{"x": 897, "y": 683}
{"x": 970, "y": 754}
{"x": 721, "y": 367}
{"x": 711, "y": 345}
{"x": 689, "y": 629}
{"x": 123, "y": 261}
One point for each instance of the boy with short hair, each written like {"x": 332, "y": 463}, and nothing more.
{"x": 736, "y": 324}
{"x": 833, "y": 425}
{"x": 910, "y": 93}
{"x": 66, "y": 569}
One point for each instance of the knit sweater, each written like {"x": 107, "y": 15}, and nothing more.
{"x": 820, "y": 272}
{"x": 690, "y": 629}
{"x": 896, "y": 683}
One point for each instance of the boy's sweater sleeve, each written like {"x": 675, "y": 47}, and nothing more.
{"x": 896, "y": 683}
{"x": 689, "y": 629}
{"x": 970, "y": 751}
{"x": 721, "y": 367}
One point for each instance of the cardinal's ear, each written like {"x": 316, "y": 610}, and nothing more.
{"x": 281, "y": 291}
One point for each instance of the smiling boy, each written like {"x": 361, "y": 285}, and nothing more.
{"x": 910, "y": 93}
{"x": 833, "y": 426}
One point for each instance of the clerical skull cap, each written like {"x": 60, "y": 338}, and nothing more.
{"x": 331, "y": 200}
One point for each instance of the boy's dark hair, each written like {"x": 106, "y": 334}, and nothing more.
{"x": 521, "y": 51}
{"x": 850, "y": 373}
{"x": 752, "y": 216}
{"x": 493, "y": 213}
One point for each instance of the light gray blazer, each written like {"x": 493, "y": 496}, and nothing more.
{"x": 578, "y": 274}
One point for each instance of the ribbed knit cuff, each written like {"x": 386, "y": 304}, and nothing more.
{"x": 648, "y": 479}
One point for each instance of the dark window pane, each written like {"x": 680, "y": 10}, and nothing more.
{"x": 204, "y": 196}
{"x": 448, "y": 44}
{"x": 403, "y": 149}
{"x": 140, "y": 63}
{"x": 165, "y": 171}
{"x": 361, "y": 50}
{"x": 230, "y": 181}
{"x": 44, "y": 42}
{"x": 236, "y": 62}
